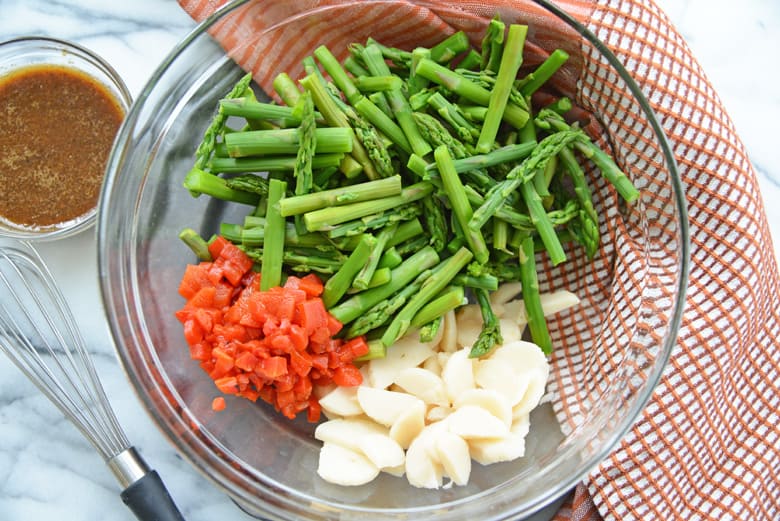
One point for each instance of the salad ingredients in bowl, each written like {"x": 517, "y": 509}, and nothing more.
{"x": 413, "y": 245}
{"x": 408, "y": 181}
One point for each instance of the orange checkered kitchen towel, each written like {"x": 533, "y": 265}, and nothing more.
{"x": 707, "y": 445}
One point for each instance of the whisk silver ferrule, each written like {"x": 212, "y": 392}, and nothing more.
{"x": 128, "y": 467}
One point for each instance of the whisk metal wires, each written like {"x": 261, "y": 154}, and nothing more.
{"x": 39, "y": 334}
{"x": 43, "y": 342}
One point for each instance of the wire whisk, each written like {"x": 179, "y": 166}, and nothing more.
{"x": 39, "y": 334}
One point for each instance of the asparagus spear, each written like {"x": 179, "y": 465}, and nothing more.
{"x": 378, "y": 83}
{"x": 372, "y": 56}
{"x": 326, "y": 218}
{"x": 449, "y": 48}
{"x": 338, "y": 284}
{"x": 546, "y": 149}
{"x": 355, "y": 306}
{"x": 587, "y": 214}
{"x": 533, "y": 304}
{"x": 199, "y": 182}
{"x": 543, "y": 72}
{"x": 273, "y": 247}
{"x": 511, "y": 59}
{"x": 250, "y": 108}
{"x": 363, "y": 277}
{"x": 378, "y": 189}
{"x": 206, "y": 147}
{"x": 493, "y": 44}
{"x": 459, "y": 203}
{"x": 601, "y": 159}
{"x": 232, "y": 165}
{"x": 358, "y": 160}
{"x": 382, "y": 312}
{"x": 287, "y": 141}
{"x": 307, "y": 137}
{"x": 196, "y": 243}
{"x": 455, "y": 82}
{"x": 441, "y": 277}
{"x": 542, "y": 223}
{"x": 450, "y": 298}
{"x": 286, "y": 89}
{"x": 490, "y": 335}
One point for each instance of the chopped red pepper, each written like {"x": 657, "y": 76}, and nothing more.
{"x": 275, "y": 345}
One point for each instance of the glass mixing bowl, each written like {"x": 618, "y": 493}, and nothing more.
{"x": 610, "y": 351}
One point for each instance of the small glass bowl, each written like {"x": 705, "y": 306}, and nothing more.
{"x": 31, "y": 51}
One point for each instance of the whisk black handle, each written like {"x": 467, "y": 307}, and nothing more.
{"x": 150, "y": 501}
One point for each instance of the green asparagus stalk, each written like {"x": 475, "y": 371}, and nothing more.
{"x": 505, "y": 154}
{"x": 449, "y": 48}
{"x": 199, "y": 182}
{"x": 490, "y": 335}
{"x": 398, "y": 57}
{"x": 374, "y": 221}
{"x": 363, "y": 277}
{"x": 511, "y": 59}
{"x": 248, "y": 183}
{"x": 547, "y": 148}
{"x": 390, "y": 259}
{"x": 337, "y": 286}
{"x": 471, "y": 61}
{"x": 542, "y": 223}
{"x": 206, "y": 147}
{"x": 453, "y": 187}
{"x": 369, "y": 190}
{"x": 533, "y": 304}
{"x": 250, "y": 108}
{"x": 336, "y": 118}
{"x": 484, "y": 281}
{"x": 455, "y": 82}
{"x": 307, "y": 137}
{"x": 434, "y": 132}
{"x": 285, "y": 87}
{"x": 493, "y": 45}
{"x": 544, "y": 72}
{"x": 287, "y": 141}
{"x": 435, "y": 222}
{"x": 325, "y": 218}
{"x": 374, "y": 60}
{"x": 441, "y": 277}
{"x": 232, "y": 165}
{"x": 450, "y": 298}
{"x": 376, "y": 349}
{"x": 196, "y": 243}
{"x": 588, "y": 217}
{"x": 415, "y": 83}
{"x": 273, "y": 246}
{"x": 452, "y": 114}
{"x": 377, "y": 83}
{"x": 601, "y": 159}
{"x": 382, "y": 312}
{"x": 369, "y": 110}
{"x": 357, "y": 305}
{"x": 374, "y": 143}
{"x": 429, "y": 331}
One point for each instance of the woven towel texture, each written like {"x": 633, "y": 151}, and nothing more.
{"x": 707, "y": 445}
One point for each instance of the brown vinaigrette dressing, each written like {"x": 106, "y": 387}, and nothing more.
{"x": 57, "y": 126}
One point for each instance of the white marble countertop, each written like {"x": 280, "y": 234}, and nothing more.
{"x": 47, "y": 470}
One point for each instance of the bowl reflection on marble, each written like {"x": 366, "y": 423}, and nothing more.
{"x": 609, "y": 353}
